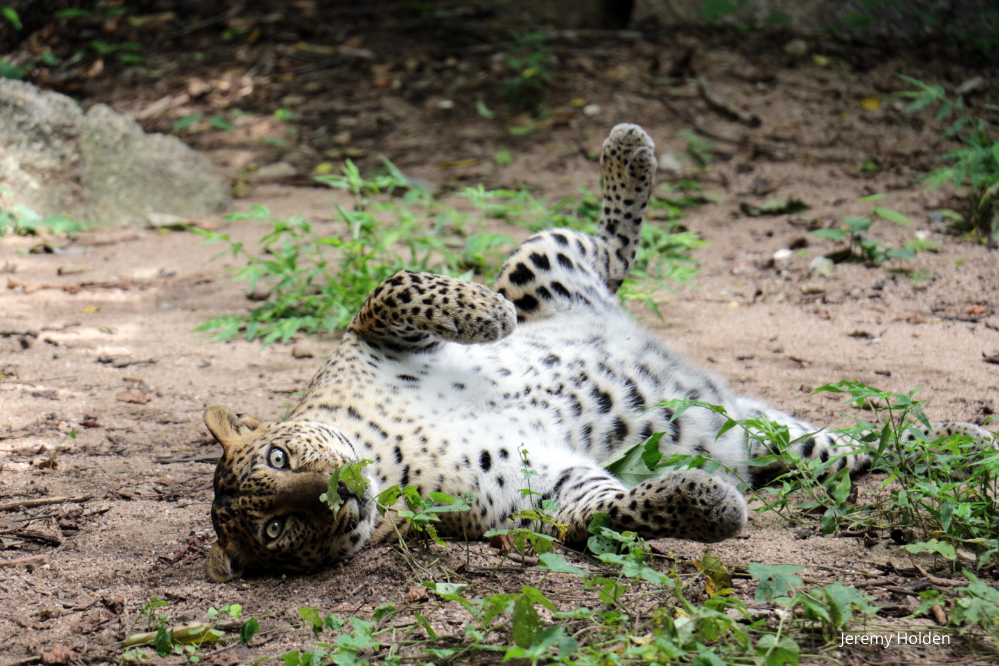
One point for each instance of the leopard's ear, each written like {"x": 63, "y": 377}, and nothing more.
{"x": 228, "y": 426}
{"x": 220, "y": 566}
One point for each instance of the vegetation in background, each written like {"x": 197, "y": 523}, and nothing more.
{"x": 976, "y": 165}
{"x": 26, "y": 222}
{"x": 867, "y": 249}
{"x": 532, "y": 65}
{"x": 319, "y": 282}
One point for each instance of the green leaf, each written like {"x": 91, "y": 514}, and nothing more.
{"x": 383, "y": 611}
{"x": 164, "y": 642}
{"x": 778, "y": 651}
{"x": 558, "y": 564}
{"x": 891, "y": 215}
{"x": 776, "y": 206}
{"x": 483, "y": 110}
{"x": 495, "y": 605}
{"x": 247, "y": 631}
{"x": 830, "y": 520}
{"x": 186, "y": 121}
{"x": 312, "y": 617}
{"x": 525, "y": 622}
{"x": 536, "y": 597}
{"x": 775, "y": 581}
{"x": 422, "y": 621}
{"x": 333, "y": 623}
{"x": 522, "y": 131}
{"x": 218, "y": 122}
{"x": 598, "y": 543}
{"x": 706, "y": 658}
{"x": 945, "y": 550}
{"x": 630, "y": 466}
{"x": 902, "y": 253}
{"x": 387, "y": 498}
{"x": 503, "y": 157}
{"x": 651, "y": 454}
{"x": 832, "y": 234}
{"x": 11, "y": 15}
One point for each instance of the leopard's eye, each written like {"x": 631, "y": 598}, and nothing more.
{"x": 274, "y": 528}
{"x": 277, "y": 458}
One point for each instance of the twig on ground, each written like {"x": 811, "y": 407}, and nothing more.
{"x": 34, "y": 559}
{"x": 943, "y": 582}
{"x": 24, "y": 504}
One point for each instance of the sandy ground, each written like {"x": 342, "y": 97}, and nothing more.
{"x": 114, "y": 360}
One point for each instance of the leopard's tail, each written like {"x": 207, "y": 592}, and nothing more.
{"x": 811, "y": 443}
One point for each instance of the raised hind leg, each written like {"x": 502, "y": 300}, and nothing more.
{"x": 560, "y": 268}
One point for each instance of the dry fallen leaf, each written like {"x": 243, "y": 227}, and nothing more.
{"x": 133, "y": 396}
{"x": 58, "y": 654}
{"x": 458, "y": 164}
{"x": 501, "y": 542}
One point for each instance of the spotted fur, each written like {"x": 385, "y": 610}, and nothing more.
{"x": 442, "y": 383}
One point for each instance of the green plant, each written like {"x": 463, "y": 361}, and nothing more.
{"x": 976, "y": 164}
{"x": 24, "y": 221}
{"x": 318, "y": 282}
{"x": 946, "y": 484}
{"x": 698, "y": 148}
{"x": 870, "y": 250}
{"x": 976, "y": 606}
{"x": 541, "y": 523}
{"x": 530, "y": 60}
{"x": 420, "y": 512}
{"x": 831, "y": 607}
{"x": 183, "y": 640}
{"x": 12, "y": 17}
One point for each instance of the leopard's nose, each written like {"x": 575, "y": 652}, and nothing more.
{"x": 344, "y": 491}
{"x": 299, "y": 492}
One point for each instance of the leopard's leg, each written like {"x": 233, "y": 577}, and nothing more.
{"x": 416, "y": 311}
{"x": 559, "y": 268}
{"x": 690, "y": 504}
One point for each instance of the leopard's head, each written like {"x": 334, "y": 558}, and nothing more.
{"x": 267, "y": 512}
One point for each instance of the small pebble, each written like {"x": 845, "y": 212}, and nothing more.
{"x": 796, "y": 48}
{"x": 821, "y": 267}
{"x": 668, "y": 163}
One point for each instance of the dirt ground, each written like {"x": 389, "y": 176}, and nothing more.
{"x": 108, "y": 354}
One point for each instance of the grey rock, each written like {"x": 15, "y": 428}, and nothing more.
{"x": 99, "y": 166}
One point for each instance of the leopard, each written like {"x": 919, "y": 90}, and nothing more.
{"x": 456, "y": 388}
